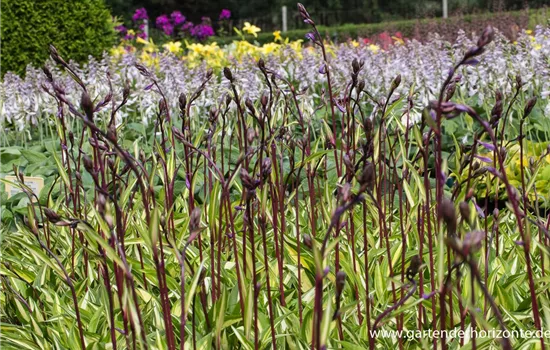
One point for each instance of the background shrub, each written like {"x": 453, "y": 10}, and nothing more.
{"x": 509, "y": 23}
{"x": 77, "y": 28}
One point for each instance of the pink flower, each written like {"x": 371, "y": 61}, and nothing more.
{"x": 225, "y": 14}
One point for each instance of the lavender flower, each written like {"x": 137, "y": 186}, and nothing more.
{"x": 24, "y": 103}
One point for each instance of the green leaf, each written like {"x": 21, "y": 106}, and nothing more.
{"x": 33, "y": 157}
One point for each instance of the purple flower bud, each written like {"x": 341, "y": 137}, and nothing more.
{"x": 87, "y": 106}
{"x": 480, "y": 211}
{"x": 486, "y": 37}
{"x": 471, "y": 62}
{"x": 529, "y": 106}
{"x": 310, "y": 36}
{"x": 227, "y": 73}
{"x": 447, "y": 213}
{"x": 464, "y": 210}
{"x": 303, "y": 11}
{"x": 51, "y": 215}
{"x": 187, "y": 182}
{"x": 484, "y": 159}
{"x": 489, "y": 146}
{"x": 494, "y": 171}
{"x": 340, "y": 281}
{"x": 465, "y": 109}
{"x": 429, "y": 295}
{"x": 308, "y": 241}
{"x": 519, "y": 81}
{"x": 396, "y": 82}
{"x": 339, "y": 106}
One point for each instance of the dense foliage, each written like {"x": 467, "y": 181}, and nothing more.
{"x": 78, "y": 28}
{"x": 282, "y": 196}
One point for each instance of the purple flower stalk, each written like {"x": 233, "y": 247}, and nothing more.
{"x": 162, "y": 21}
{"x": 140, "y": 14}
{"x": 187, "y": 26}
{"x": 202, "y": 31}
{"x": 177, "y": 18}
{"x": 225, "y": 14}
{"x": 168, "y": 29}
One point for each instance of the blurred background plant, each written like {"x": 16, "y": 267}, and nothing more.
{"x": 79, "y": 29}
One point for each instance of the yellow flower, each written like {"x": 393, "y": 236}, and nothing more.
{"x": 211, "y": 54}
{"x": 118, "y": 51}
{"x": 537, "y": 46}
{"x": 398, "y": 41}
{"x": 277, "y": 35}
{"x": 131, "y": 32}
{"x": 297, "y": 47}
{"x": 141, "y": 41}
{"x": 354, "y": 43}
{"x": 251, "y": 29}
{"x": 374, "y": 48}
{"x": 173, "y": 47}
{"x": 528, "y": 32}
{"x": 270, "y": 48}
{"x": 149, "y": 46}
{"x": 149, "y": 60}
{"x": 243, "y": 48}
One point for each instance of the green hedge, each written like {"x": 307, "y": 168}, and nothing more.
{"x": 418, "y": 29}
{"x": 77, "y": 28}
